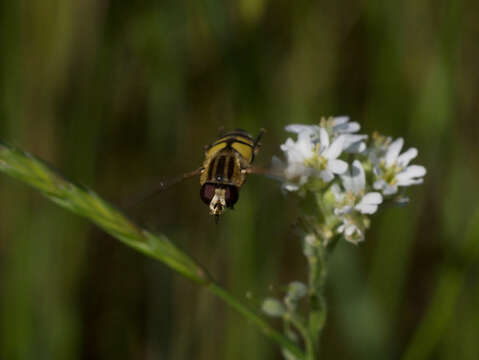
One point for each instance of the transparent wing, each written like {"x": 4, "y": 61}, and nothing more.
{"x": 162, "y": 185}
{"x": 274, "y": 172}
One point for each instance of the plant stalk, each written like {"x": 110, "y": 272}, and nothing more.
{"x": 317, "y": 314}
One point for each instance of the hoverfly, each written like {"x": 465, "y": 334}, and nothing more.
{"x": 224, "y": 170}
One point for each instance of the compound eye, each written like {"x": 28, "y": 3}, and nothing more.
{"x": 207, "y": 192}
{"x": 231, "y": 195}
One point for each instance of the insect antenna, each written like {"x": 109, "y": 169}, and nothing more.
{"x": 221, "y": 131}
{"x": 258, "y": 137}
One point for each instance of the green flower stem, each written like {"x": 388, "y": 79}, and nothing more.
{"x": 317, "y": 314}
{"x": 86, "y": 203}
{"x": 316, "y": 250}
{"x": 298, "y": 323}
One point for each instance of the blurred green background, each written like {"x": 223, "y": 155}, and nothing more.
{"x": 119, "y": 94}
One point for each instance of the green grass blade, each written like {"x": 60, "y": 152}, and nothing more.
{"x": 86, "y": 203}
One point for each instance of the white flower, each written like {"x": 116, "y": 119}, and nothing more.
{"x": 393, "y": 170}
{"x": 354, "y": 197}
{"x": 312, "y": 154}
{"x": 311, "y": 130}
{"x": 341, "y": 125}
{"x": 351, "y": 231}
{"x": 369, "y": 203}
{"x": 353, "y": 143}
{"x": 327, "y": 154}
{"x": 297, "y": 152}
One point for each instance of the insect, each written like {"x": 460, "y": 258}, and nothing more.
{"x": 226, "y": 166}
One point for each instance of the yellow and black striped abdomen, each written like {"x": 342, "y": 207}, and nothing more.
{"x": 223, "y": 168}
{"x": 239, "y": 141}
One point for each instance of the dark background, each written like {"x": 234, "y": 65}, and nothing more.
{"x": 120, "y": 94}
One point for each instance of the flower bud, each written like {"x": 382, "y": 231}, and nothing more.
{"x": 273, "y": 307}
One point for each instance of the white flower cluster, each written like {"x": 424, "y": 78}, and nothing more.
{"x": 378, "y": 169}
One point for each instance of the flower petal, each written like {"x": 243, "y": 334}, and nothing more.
{"x": 338, "y": 120}
{"x": 390, "y": 189}
{"x": 287, "y": 145}
{"x": 337, "y": 166}
{"x": 298, "y": 151}
{"x": 386, "y": 188}
{"x": 343, "y": 210}
{"x": 369, "y": 203}
{"x": 393, "y": 151}
{"x": 410, "y": 175}
{"x": 416, "y": 170}
{"x": 299, "y": 128}
{"x": 406, "y": 157}
{"x": 409, "y": 182}
{"x": 323, "y": 138}
{"x": 338, "y": 194}
{"x": 326, "y": 175}
{"x": 347, "y": 127}
{"x": 350, "y": 229}
{"x": 335, "y": 149}
{"x": 366, "y": 208}
{"x": 355, "y": 180}
{"x": 372, "y": 198}
{"x": 354, "y": 143}
{"x": 356, "y": 148}
{"x": 379, "y": 184}
{"x": 290, "y": 187}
